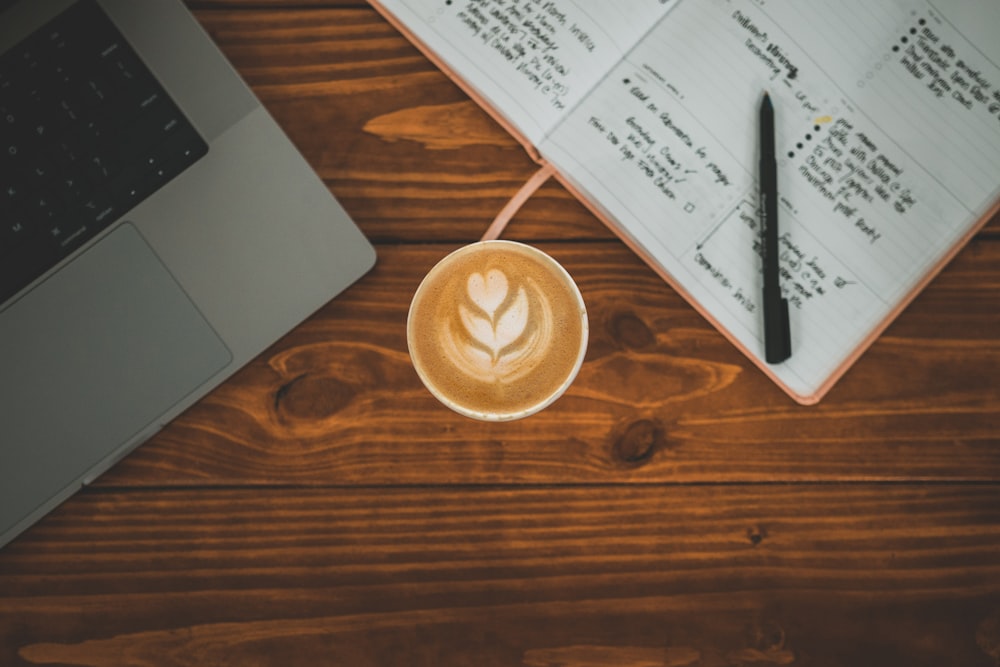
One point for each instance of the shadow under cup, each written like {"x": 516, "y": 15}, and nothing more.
{"x": 497, "y": 330}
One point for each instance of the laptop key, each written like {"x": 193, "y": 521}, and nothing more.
{"x": 12, "y": 231}
{"x": 69, "y": 234}
{"x": 11, "y": 195}
{"x": 98, "y": 210}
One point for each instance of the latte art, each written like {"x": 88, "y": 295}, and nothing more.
{"x": 502, "y": 331}
{"x": 497, "y": 330}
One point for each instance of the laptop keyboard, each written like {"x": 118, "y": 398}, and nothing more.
{"x": 86, "y": 133}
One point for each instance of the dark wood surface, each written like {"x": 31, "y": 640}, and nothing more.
{"x": 674, "y": 508}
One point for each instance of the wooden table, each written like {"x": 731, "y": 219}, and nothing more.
{"x": 674, "y": 508}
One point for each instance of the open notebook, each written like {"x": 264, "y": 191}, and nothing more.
{"x": 888, "y": 138}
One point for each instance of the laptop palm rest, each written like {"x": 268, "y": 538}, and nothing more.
{"x": 122, "y": 360}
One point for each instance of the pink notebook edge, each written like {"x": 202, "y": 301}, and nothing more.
{"x": 802, "y": 399}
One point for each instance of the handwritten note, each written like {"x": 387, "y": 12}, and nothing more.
{"x": 527, "y": 35}
{"x": 532, "y": 59}
{"x": 949, "y": 70}
{"x": 634, "y": 138}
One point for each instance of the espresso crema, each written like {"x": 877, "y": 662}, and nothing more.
{"x": 497, "y": 330}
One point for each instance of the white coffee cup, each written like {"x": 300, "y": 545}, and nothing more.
{"x": 497, "y": 330}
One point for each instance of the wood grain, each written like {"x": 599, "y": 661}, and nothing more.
{"x": 848, "y": 575}
{"x": 662, "y": 396}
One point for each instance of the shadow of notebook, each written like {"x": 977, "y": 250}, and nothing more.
{"x": 157, "y": 231}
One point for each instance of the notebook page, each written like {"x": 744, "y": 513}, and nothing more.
{"x": 888, "y": 123}
{"x": 531, "y": 60}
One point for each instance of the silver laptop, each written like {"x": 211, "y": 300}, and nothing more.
{"x": 157, "y": 231}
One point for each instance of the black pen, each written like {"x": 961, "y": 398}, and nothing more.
{"x": 777, "y": 337}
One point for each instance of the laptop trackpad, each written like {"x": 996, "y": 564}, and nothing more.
{"x": 91, "y": 358}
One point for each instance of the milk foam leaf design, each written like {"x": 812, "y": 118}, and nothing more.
{"x": 511, "y": 323}
{"x": 488, "y": 292}
{"x": 479, "y": 329}
{"x": 498, "y": 321}
{"x": 501, "y": 331}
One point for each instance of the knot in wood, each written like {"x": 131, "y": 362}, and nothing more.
{"x": 769, "y": 636}
{"x": 308, "y": 397}
{"x": 630, "y": 331}
{"x": 639, "y": 441}
{"x": 756, "y": 535}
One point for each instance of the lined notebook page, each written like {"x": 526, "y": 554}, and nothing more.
{"x": 531, "y": 60}
{"x": 889, "y": 153}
